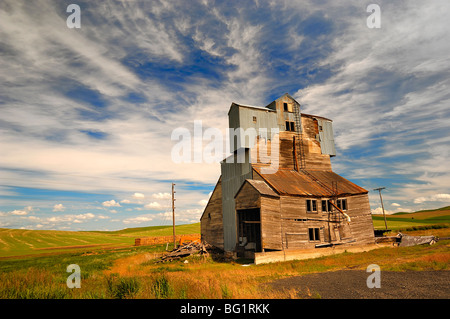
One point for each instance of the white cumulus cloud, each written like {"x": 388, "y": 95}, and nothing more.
{"x": 111, "y": 203}
{"x": 59, "y": 208}
{"x": 162, "y": 196}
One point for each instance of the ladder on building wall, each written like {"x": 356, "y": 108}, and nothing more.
{"x": 299, "y": 136}
{"x": 301, "y": 155}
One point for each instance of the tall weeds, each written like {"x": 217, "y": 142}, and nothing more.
{"x": 122, "y": 287}
{"x": 161, "y": 287}
{"x": 32, "y": 284}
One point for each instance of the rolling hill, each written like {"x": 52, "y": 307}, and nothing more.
{"x": 19, "y": 242}
{"x": 420, "y": 218}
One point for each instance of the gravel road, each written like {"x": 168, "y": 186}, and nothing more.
{"x": 352, "y": 284}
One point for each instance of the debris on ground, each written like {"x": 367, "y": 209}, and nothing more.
{"x": 408, "y": 240}
{"x": 404, "y": 240}
{"x": 187, "y": 250}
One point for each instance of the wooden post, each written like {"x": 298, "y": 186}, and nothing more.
{"x": 382, "y": 206}
{"x": 173, "y": 216}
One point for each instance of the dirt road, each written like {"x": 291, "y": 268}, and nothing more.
{"x": 351, "y": 284}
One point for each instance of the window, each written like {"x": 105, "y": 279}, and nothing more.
{"x": 290, "y": 126}
{"x": 342, "y": 204}
{"x": 311, "y": 205}
{"x": 314, "y": 234}
{"x": 326, "y": 205}
{"x": 254, "y": 119}
{"x": 287, "y": 107}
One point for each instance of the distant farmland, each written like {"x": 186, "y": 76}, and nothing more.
{"x": 19, "y": 242}
{"x": 423, "y": 218}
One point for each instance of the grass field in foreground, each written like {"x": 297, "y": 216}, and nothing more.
{"x": 19, "y": 242}
{"x": 132, "y": 273}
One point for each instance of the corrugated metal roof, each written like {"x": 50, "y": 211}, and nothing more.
{"x": 261, "y": 108}
{"x": 298, "y": 183}
{"x": 262, "y": 187}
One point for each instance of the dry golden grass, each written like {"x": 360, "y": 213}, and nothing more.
{"x": 134, "y": 273}
{"x": 204, "y": 278}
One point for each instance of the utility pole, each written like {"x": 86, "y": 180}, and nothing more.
{"x": 382, "y": 206}
{"x": 173, "y": 215}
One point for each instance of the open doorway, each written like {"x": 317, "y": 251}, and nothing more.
{"x": 249, "y": 229}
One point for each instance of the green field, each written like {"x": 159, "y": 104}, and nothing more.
{"x": 19, "y": 242}
{"x": 402, "y": 221}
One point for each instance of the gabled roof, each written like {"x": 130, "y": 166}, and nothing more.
{"x": 260, "y": 186}
{"x": 301, "y": 183}
{"x": 288, "y": 96}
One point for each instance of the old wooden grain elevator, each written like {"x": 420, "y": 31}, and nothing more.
{"x": 301, "y": 204}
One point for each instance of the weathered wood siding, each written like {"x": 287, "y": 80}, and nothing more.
{"x": 295, "y": 223}
{"x": 262, "y": 155}
{"x": 270, "y": 223}
{"x": 361, "y": 226}
{"x": 211, "y": 222}
{"x": 248, "y": 197}
{"x": 314, "y": 159}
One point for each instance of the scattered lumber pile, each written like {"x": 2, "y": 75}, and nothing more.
{"x": 187, "y": 250}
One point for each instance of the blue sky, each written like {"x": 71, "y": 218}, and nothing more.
{"x": 86, "y": 114}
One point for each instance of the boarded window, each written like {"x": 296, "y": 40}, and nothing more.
{"x": 314, "y": 234}
{"x": 254, "y": 119}
{"x": 311, "y": 205}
